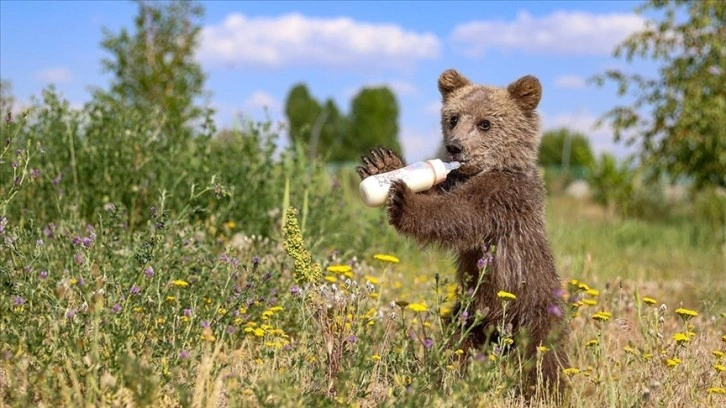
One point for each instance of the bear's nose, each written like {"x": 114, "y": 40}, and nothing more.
{"x": 454, "y": 147}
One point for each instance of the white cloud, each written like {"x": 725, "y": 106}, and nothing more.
{"x": 601, "y": 138}
{"x": 562, "y": 32}
{"x": 570, "y": 81}
{"x": 297, "y": 40}
{"x": 54, "y": 75}
{"x": 261, "y": 100}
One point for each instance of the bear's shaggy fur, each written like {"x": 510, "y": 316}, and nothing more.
{"x": 495, "y": 199}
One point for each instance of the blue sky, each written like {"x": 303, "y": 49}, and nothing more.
{"x": 254, "y": 52}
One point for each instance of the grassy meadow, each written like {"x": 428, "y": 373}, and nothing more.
{"x": 135, "y": 271}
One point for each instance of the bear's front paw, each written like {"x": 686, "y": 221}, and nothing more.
{"x": 398, "y": 198}
{"x": 379, "y": 160}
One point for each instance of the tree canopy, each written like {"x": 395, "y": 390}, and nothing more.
{"x": 373, "y": 120}
{"x": 154, "y": 68}
{"x": 563, "y": 147}
{"x": 678, "y": 118}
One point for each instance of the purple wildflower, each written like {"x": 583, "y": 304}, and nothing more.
{"x": 230, "y": 330}
{"x": 153, "y": 212}
{"x": 205, "y": 324}
{"x": 134, "y": 290}
{"x": 88, "y": 241}
{"x": 464, "y": 316}
{"x": 34, "y": 173}
{"x": 43, "y": 274}
{"x": 482, "y": 262}
{"x": 49, "y": 230}
{"x": 15, "y": 164}
{"x": 115, "y": 308}
{"x": 81, "y": 281}
{"x": 79, "y": 258}
{"x": 39, "y": 243}
{"x": 76, "y": 240}
{"x": 224, "y": 258}
{"x": 18, "y": 301}
{"x": 295, "y": 290}
{"x": 554, "y": 310}
{"x": 71, "y": 313}
{"x": 149, "y": 272}
{"x": 559, "y": 292}
{"x": 352, "y": 339}
{"x": 183, "y": 354}
{"x": 428, "y": 343}
{"x": 255, "y": 261}
{"x": 57, "y": 180}
{"x": 187, "y": 312}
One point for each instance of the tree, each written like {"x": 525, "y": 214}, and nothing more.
{"x": 374, "y": 120}
{"x": 679, "y": 118}
{"x": 334, "y": 137}
{"x": 565, "y": 148}
{"x": 154, "y": 68}
{"x": 302, "y": 111}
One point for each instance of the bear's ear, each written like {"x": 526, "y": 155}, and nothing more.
{"x": 449, "y": 81}
{"x": 526, "y": 91}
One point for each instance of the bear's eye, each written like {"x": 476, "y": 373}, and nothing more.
{"x": 453, "y": 120}
{"x": 484, "y": 125}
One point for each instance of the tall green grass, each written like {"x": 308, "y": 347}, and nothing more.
{"x": 137, "y": 271}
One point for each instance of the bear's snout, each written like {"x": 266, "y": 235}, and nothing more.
{"x": 454, "y": 147}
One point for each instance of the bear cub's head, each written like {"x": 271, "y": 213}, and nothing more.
{"x": 489, "y": 128}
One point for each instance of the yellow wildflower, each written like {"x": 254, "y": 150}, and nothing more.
{"x": 170, "y": 299}
{"x": 372, "y": 279}
{"x": 602, "y": 316}
{"x": 444, "y": 311}
{"x": 630, "y": 350}
{"x": 647, "y": 356}
{"x": 506, "y": 295}
{"x": 574, "y": 282}
{"x": 459, "y": 352}
{"x": 649, "y": 300}
{"x": 719, "y": 367}
{"x": 583, "y": 286}
{"x": 418, "y": 307}
{"x": 718, "y": 353}
{"x": 331, "y": 279}
{"x": 276, "y": 309}
{"x": 716, "y": 390}
{"x": 686, "y": 313}
{"x": 258, "y": 332}
{"x": 592, "y": 343}
{"x": 376, "y": 357}
{"x": 230, "y": 224}
{"x": 589, "y": 302}
{"x": 593, "y": 292}
{"x": 723, "y": 338}
{"x": 672, "y": 362}
{"x": 180, "y": 283}
{"x": 138, "y": 309}
{"x": 339, "y": 268}
{"x": 386, "y": 258}
{"x": 571, "y": 371}
{"x": 543, "y": 349}
{"x": 681, "y": 338}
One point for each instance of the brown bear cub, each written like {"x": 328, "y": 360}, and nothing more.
{"x": 494, "y": 200}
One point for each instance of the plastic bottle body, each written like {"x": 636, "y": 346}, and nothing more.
{"x": 419, "y": 176}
